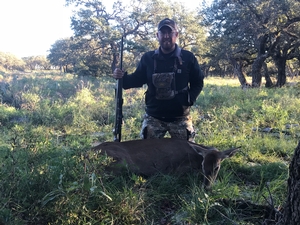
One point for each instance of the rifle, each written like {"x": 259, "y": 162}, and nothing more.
{"x": 119, "y": 102}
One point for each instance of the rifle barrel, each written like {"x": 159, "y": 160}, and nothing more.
{"x": 119, "y": 102}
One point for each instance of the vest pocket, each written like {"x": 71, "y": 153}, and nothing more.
{"x": 164, "y": 84}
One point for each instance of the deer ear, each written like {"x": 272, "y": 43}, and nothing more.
{"x": 198, "y": 149}
{"x": 230, "y": 152}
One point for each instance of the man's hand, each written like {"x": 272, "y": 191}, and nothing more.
{"x": 118, "y": 73}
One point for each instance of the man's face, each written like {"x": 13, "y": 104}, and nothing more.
{"x": 167, "y": 39}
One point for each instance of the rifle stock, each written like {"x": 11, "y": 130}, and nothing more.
{"x": 119, "y": 102}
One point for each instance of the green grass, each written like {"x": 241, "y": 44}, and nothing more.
{"x": 49, "y": 176}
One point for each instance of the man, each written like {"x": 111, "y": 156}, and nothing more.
{"x": 174, "y": 81}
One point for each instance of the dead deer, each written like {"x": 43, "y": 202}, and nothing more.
{"x": 150, "y": 156}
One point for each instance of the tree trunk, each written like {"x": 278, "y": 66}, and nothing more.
{"x": 269, "y": 82}
{"x": 257, "y": 65}
{"x": 205, "y": 69}
{"x": 262, "y": 54}
{"x": 281, "y": 64}
{"x": 291, "y": 212}
{"x": 237, "y": 68}
{"x": 256, "y": 71}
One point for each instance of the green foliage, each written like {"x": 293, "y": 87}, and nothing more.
{"x": 49, "y": 175}
{"x": 249, "y": 34}
{"x": 9, "y": 62}
{"x": 95, "y": 48}
{"x": 37, "y": 62}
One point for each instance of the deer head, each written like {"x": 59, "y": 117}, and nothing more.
{"x": 211, "y": 163}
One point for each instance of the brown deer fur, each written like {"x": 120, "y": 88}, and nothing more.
{"x": 151, "y": 156}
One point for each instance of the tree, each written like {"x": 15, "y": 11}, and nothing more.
{"x": 10, "y": 62}
{"x": 37, "y": 62}
{"x": 98, "y": 31}
{"x": 252, "y": 31}
{"x": 61, "y": 54}
{"x": 229, "y": 39}
{"x": 288, "y": 44}
{"x": 291, "y": 212}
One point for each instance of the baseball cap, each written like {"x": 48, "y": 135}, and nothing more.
{"x": 169, "y": 23}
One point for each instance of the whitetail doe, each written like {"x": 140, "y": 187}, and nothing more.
{"x": 150, "y": 156}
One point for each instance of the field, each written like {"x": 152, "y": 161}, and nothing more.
{"x": 48, "y": 123}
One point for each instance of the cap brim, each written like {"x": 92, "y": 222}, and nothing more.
{"x": 165, "y": 25}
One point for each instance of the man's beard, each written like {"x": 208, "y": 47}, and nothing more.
{"x": 167, "y": 44}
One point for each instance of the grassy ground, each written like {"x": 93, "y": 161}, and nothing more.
{"x": 48, "y": 175}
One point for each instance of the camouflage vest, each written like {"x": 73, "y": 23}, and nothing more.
{"x": 164, "y": 83}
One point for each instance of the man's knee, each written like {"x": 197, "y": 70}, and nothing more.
{"x": 149, "y": 132}
{"x": 152, "y": 128}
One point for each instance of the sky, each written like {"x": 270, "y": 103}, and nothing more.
{"x": 30, "y": 27}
